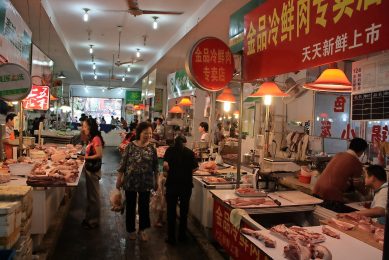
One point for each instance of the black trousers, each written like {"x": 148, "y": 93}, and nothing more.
{"x": 172, "y": 197}
{"x": 143, "y": 210}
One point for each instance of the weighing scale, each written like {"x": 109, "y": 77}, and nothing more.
{"x": 279, "y": 165}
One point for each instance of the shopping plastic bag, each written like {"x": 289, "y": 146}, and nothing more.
{"x": 117, "y": 200}
{"x": 158, "y": 202}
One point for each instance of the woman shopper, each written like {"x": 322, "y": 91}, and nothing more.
{"x": 138, "y": 175}
{"x": 179, "y": 162}
{"x": 93, "y": 157}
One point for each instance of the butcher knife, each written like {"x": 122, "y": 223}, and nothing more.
{"x": 276, "y": 201}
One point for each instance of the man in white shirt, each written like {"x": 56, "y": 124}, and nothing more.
{"x": 159, "y": 131}
{"x": 375, "y": 178}
{"x": 203, "y": 129}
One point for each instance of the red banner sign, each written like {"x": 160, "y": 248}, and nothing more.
{"x": 288, "y": 35}
{"x": 229, "y": 237}
{"x": 210, "y": 64}
{"x": 38, "y": 99}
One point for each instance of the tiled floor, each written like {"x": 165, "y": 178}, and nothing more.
{"x": 110, "y": 241}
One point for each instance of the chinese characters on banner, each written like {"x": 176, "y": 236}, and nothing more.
{"x": 325, "y": 128}
{"x": 379, "y": 134}
{"x": 38, "y": 99}
{"x": 310, "y": 33}
{"x": 339, "y": 104}
{"x": 348, "y": 133}
{"x": 229, "y": 237}
{"x": 339, "y": 107}
{"x": 210, "y": 64}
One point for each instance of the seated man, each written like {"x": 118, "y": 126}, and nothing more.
{"x": 375, "y": 178}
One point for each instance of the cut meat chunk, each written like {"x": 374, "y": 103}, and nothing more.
{"x": 379, "y": 234}
{"x": 329, "y": 232}
{"x": 294, "y": 251}
{"x": 260, "y": 236}
{"x": 342, "y": 224}
{"x": 246, "y": 202}
{"x": 299, "y": 234}
{"x": 356, "y": 217}
{"x": 367, "y": 227}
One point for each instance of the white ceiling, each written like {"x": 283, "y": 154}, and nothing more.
{"x": 66, "y": 40}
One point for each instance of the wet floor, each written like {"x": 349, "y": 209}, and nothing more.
{"x": 110, "y": 240}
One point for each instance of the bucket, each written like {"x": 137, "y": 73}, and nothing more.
{"x": 305, "y": 175}
{"x": 305, "y": 179}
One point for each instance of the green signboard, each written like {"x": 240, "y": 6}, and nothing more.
{"x": 133, "y": 96}
{"x": 158, "y": 100}
{"x": 15, "y": 36}
{"x": 15, "y": 82}
{"x": 236, "y": 33}
{"x": 179, "y": 85}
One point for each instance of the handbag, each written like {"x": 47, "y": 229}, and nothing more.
{"x": 93, "y": 165}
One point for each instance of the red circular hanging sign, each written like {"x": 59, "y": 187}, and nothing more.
{"x": 210, "y": 64}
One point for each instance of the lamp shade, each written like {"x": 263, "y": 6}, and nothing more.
{"x": 52, "y": 98}
{"x": 226, "y": 96}
{"x": 269, "y": 89}
{"x": 186, "y": 102}
{"x": 176, "y": 110}
{"x": 331, "y": 80}
{"x": 139, "y": 107}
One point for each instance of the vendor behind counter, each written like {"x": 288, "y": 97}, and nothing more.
{"x": 376, "y": 179}
{"x": 159, "y": 131}
{"x": 343, "y": 173}
{"x": 9, "y": 134}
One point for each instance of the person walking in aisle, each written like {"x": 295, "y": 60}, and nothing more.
{"x": 93, "y": 157}
{"x": 180, "y": 163}
{"x": 138, "y": 175}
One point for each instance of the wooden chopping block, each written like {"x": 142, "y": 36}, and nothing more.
{"x": 356, "y": 233}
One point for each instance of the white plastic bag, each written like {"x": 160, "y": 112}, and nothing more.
{"x": 117, "y": 200}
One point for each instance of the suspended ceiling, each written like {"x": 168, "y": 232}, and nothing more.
{"x": 59, "y": 30}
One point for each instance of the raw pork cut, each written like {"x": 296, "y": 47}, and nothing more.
{"x": 330, "y": 232}
{"x": 246, "y": 202}
{"x": 261, "y": 237}
{"x": 296, "y": 251}
{"x": 299, "y": 234}
{"x": 342, "y": 224}
{"x": 379, "y": 235}
{"x": 214, "y": 180}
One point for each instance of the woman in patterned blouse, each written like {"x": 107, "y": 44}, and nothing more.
{"x": 138, "y": 174}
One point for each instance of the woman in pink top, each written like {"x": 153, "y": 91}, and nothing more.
{"x": 93, "y": 157}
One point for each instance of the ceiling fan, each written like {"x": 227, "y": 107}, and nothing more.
{"x": 120, "y": 63}
{"x": 133, "y": 8}
{"x": 129, "y": 62}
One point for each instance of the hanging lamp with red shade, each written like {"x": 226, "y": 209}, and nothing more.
{"x": 227, "y": 98}
{"x": 331, "y": 80}
{"x": 268, "y": 90}
{"x": 185, "y": 102}
{"x": 176, "y": 110}
{"x": 52, "y": 98}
